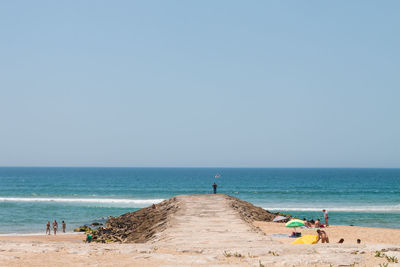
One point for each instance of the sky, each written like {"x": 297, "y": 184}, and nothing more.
{"x": 200, "y": 83}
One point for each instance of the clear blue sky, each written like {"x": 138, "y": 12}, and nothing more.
{"x": 200, "y": 83}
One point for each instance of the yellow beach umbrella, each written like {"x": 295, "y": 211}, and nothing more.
{"x": 307, "y": 239}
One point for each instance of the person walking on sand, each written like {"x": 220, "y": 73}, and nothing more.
{"x": 48, "y": 227}
{"x": 64, "y": 226}
{"x": 325, "y": 217}
{"x": 55, "y": 226}
{"x": 215, "y": 187}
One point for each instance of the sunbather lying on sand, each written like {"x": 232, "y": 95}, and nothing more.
{"x": 318, "y": 224}
{"x": 307, "y": 223}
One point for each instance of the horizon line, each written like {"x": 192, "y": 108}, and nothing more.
{"x": 193, "y": 167}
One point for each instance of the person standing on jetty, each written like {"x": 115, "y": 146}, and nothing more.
{"x": 215, "y": 187}
{"x": 325, "y": 217}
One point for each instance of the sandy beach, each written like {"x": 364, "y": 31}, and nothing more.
{"x": 206, "y": 231}
{"x": 350, "y": 234}
{"x": 175, "y": 133}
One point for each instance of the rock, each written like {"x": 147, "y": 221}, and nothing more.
{"x": 139, "y": 226}
{"x": 251, "y": 213}
{"x": 142, "y": 225}
{"x": 83, "y": 228}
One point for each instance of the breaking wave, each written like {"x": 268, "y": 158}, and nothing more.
{"x": 83, "y": 200}
{"x": 394, "y": 208}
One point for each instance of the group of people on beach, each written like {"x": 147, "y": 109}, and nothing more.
{"x": 322, "y": 235}
{"x": 317, "y": 223}
{"x": 55, "y": 227}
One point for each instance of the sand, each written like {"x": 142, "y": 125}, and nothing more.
{"x": 350, "y": 234}
{"x": 69, "y": 238}
{"x": 205, "y": 231}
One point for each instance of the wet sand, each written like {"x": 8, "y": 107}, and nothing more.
{"x": 59, "y": 238}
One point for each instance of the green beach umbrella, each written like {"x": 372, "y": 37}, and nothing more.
{"x": 294, "y": 223}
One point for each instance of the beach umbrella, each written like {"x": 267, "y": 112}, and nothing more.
{"x": 279, "y": 218}
{"x": 307, "y": 239}
{"x": 294, "y": 223}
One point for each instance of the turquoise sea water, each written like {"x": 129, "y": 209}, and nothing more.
{"x": 29, "y": 197}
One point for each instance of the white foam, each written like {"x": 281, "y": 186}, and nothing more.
{"x": 82, "y": 200}
{"x": 394, "y": 208}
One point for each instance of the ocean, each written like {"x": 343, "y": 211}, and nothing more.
{"x": 29, "y": 197}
